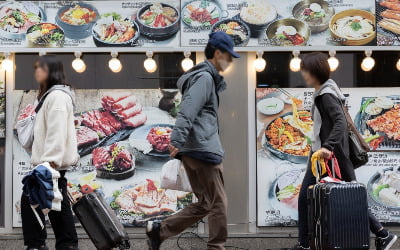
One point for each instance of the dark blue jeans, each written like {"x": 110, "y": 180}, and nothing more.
{"x": 309, "y": 180}
{"x": 62, "y": 222}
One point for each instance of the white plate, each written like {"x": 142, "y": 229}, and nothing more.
{"x": 270, "y": 106}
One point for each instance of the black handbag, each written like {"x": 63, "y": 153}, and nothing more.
{"x": 358, "y": 154}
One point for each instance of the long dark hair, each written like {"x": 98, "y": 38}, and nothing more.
{"x": 55, "y": 69}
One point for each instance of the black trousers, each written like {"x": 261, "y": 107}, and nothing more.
{"x": 309, "y": 180}
{"x": 62, "y": 222}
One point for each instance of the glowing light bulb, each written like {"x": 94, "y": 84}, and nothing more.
{"x": 187, "y": 64}
{"x": 295, "y": 62}
{"x": 368, "y": 62}
{"x": 333, "y": 61}
{"x": 260, "y": 63}
{"x": 398, "y": 65}
{"x": 78, "y": 64}
{"x": 7, "y": 64}
{"x": 115, "y": 64}
{"x": 150, "y": 64}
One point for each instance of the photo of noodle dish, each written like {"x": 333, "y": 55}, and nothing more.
{"x": 316, "y": 13}
{"x": 288, "y": 32}
{"x": 353, "y": 27}
{"x": 289, "y": 36}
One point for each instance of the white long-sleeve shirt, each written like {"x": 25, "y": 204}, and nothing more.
{"x": 54, "y": 132}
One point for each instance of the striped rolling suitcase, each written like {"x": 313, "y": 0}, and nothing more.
{"x": 338, "y": 216}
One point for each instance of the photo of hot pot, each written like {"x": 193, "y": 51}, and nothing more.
{"x": 77, "y": 20}
{"x": 158, "y": 21}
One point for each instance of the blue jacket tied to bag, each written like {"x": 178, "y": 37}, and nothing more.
{"x": 41, "y": 185}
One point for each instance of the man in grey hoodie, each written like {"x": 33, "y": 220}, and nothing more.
{"x": 195, "y": 140}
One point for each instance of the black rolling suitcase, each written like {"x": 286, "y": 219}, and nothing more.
{"x": 100, "y": 222}
{"x": 338, "y": 216}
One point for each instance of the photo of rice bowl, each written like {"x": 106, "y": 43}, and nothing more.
{"x": 257, "y": 15}
{"x": 45, "y": 35}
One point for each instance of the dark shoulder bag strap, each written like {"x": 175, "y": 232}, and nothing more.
{"x": 40, "y": 104}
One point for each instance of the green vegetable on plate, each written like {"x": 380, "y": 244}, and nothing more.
{"x": 356, "y": 26}
{"x": 378, "y": 189}
{"x": 371, "y": 138}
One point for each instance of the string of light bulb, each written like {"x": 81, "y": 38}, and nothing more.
{"x": 150, "y": 65}
{"x": 367, "y": 64}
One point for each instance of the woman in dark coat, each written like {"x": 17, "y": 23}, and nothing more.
{"x": 330, "y": 135}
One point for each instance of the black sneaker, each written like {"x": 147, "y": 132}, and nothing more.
{"x": 300, "y": 247}
{"x": 153, "y": 233}
{"x": 38, "y": 248}
{"x": 385, "y": 243}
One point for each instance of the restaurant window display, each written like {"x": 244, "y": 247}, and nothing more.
{"x": 123, "y": 133}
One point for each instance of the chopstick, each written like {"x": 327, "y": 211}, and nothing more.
{"x": 285, "y": 92}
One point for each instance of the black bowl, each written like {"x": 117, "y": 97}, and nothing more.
{"x": 158, "y": 33}
{"x": 241, "y": 23}
{"x": 129, "y": 43}
{"x": 76, "y": 31}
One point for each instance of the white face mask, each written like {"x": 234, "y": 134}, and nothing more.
{"x": 223, "y": 64}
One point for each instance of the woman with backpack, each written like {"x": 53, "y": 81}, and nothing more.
{"x": 55, "y": 143}
{"x": 330, "y": 137}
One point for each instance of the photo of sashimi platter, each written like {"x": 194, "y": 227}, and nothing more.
{"x": 123, "y": 138}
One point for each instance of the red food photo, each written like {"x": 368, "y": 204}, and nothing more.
{"x": 160, "y": 138}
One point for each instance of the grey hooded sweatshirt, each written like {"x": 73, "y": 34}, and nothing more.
{"x": 196, "y": 127}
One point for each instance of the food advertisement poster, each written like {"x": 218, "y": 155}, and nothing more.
{"x": 280, "y": 22}
{"x": 89, "y": 24}
{"x": 123, "y": 138}
{"x": 284, "y": 128}
{"x": 388, "y": 22}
